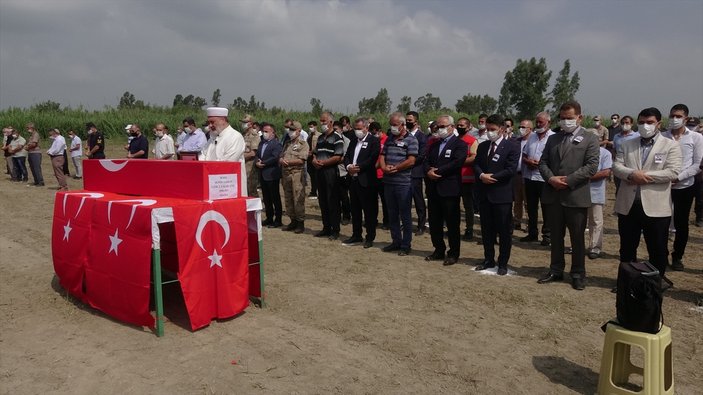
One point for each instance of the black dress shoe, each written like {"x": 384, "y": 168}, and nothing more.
{"x": 420, "y": 232}
{"x": 550, "y": 277}
{"x": 434, "y": 257}
{"x": 404, "y": 252}
{"x": 449, "y": 261}
{"x": 578, "y": 284}
{"x": 352, "y": 240}
{"x": 468, "y": 236}
{"x": 275, "y": 225}
{"x": 323, "y": 233}
{"x": 528, "y": 239}
{"x": 290, "y": 227}
{"x": 545, "y": 242}
{"x": 368, "y": 244}
{"x": 485, "y": 265}
{"x": 502, "y": 271}
{"x": 334, "y": 236}
{"x": 267, "y": 222}
{"x": 677, "y": 265}
{"x": 391, "y": 248}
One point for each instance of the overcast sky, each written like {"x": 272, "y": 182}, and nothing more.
{"x": 629, "y": 54}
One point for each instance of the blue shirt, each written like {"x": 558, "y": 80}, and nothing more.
{"x": 193, "y": 142}
{"x": 598, "y": 187}
{"x": 395, "y": 151}
{"x": 620, "y": 138}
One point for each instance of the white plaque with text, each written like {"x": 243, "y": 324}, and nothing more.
{"x": 223, "y": 186}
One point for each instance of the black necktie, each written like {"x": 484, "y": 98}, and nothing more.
{"x": 493, "y": 150}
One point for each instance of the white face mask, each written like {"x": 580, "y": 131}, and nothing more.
{"x": 540, "y": 130}
{"x": 442, "y": 133}
{"x": 159, "y": 134}
{"x": 523, "y": 132}
{"x": 626, "y": 127}
{"x": 597, "y": 123}
{"x": 359, "y": 133}
{"x": 647, "y": 130}
{"x": 676, "y": 123}
{"x": 568, "y": 125}
{"x": 292, "y": 134}
{"x": 481, "y": 126}
{"x": 245, "y": 126}
{"x": 395, "y": 131}
{"x": 325, "y": 128}
{"x": 311, "y": 130}
{"x": 493, "y": 135}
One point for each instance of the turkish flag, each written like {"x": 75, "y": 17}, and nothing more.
{"x": 118, "y": 269}
{"x": 212, "y": 240}
{"x": 70, "y": 238}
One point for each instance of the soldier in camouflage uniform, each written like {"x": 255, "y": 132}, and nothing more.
{"x": 292, "y": 161}
{"x": 251, "y": 144}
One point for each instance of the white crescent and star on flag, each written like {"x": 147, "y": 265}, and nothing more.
{"x": 217, "y": 217}
{"x": 85, "y": 195}
{"x": 115, "y": 240}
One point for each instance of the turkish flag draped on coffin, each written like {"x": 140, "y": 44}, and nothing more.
{"x": 69, "y": 238}
{"x": 118, "y": 269}
{"x": 213, "y": 259}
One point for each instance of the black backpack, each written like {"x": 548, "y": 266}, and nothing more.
{"x": 639, "y": 297}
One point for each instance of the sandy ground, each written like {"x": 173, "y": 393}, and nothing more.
{"x": 339, "y": 320}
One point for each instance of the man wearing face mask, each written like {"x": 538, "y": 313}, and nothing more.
{"x": 377, "y": 131}
{"x": 313, "y": 135}
{"x": 163, "y": 146}
{"x": 467, "y": 176}
{"x": 327, "y": 154}
{"x": 569, "y": 160}
{"x": 600, "y": 131}
{"x": 495, "y": 166}
{"x": 194, "y": 140}
{"x": 267, "y": 161}
{"x": 95, "y": 147}
{"x": 443, "y": 165}
{"x": 480, "y": 134}
{"x": 509, "y": 127}
{"x": 292, "y": 161}
{"x": 360, "y": 161}
{"x": 613, "y": 130}
{"x": 251, "y": 144}
{"x": 225, "y": 143}
{"x": 396, "y": 161}
{"x": 525, "y": 131}
{"x": 683, "y": 190}
{"x": 139, "y": 146}
{"x": 646, "y": 166}
{"x": 55, "y": 152}
{"x": 626, "y": 133}
{"x": 533, "y": 181}
{"x": 412, "y": 125}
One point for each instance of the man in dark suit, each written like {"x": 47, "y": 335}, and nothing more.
{"x": 443, "y": 169}
{"x": 569, "y": 160}
{"x": 270, "y": 175}
{"x": 412, "y": 124}
{"x": 494, "y": 167}
{"x": 360, "y": 162}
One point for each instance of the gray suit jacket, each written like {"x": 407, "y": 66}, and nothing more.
{"x": 578, "y": 161}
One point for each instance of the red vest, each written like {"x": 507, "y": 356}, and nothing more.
{"x": 467, "y": 171}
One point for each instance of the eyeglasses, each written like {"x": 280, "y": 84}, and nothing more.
{"x": 442, "y": 126}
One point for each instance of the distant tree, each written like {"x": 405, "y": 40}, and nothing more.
{"x": 565, "y": 87}
{"x": 316, "y": 106}
{"x": 428, "y": 103}
{"x": 178, "y": 100}
{"x": 47, "y": 106}
{"x": 216, "y": 97}
{"x": 488, "y": 105}
{"x": 198, "y": 102}
{"x": 127, "y": 101}
{"x": 404, "y": 105}
{"x": 524, "y": 89}
{"x": 254, "y": 106}
{"x": 381, "y": 104}
{"x": 468, "y": 104}
{"x": 239, "y": 104}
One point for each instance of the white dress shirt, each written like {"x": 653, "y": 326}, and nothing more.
{"x": 58, "y": 146}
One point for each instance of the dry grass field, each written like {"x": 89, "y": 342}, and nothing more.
{"x": 339, "y": 320}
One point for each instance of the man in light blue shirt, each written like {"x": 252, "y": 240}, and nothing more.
{"x": 194, "y": 140}
{"x": 595, "y": 212}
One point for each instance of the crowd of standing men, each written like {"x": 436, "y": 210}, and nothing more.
{"x": 491, "y": 170}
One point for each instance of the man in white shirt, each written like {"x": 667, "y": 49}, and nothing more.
{"x": 225, "y": 143}
{"x": 683, "y": 190}
{"x": 56, "y": 151}
{"x": 76, "y": 153}
{"x": 163, "y": 145}
{"x": 534, "y": 183}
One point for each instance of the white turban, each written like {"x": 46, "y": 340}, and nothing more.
{"x": 217, "y": 112}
